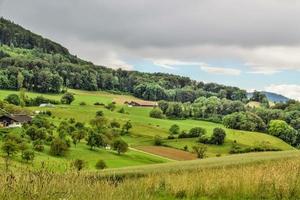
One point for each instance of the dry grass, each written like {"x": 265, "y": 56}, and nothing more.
{"x": 266, "y": 180}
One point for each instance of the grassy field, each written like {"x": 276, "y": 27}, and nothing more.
{"x": 144, "y": 128}
{"x": 272, "y": 175}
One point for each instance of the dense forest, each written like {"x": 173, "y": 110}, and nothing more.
{"x": 30, "y": 61}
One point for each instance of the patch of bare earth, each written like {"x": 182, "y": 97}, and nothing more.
{"x": 167, "y": 152}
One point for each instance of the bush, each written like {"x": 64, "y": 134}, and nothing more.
{"x": 67, "y": 98}
{"x": 218, "y": 136}
{"x": 58, "y": 147}
{"x": 99, "y": 104}
{"x": 13, "y": 99}
{"x": 158, "y": 140}
{"x": 200, "y": 150}
{"x": 101, "y": 164}
{"x": 156, "y": 113}
{"x": 28, "y": 155}
{"x": 111, "y": 106}
{"x": 82, "y": 103}
{"x": 99, "y": 113}
{"x": 174, "y": 129}
{"x": 183, "y": 134}
{"x": 38, "y": 146}
{"x": 204, "y": 139}
{"x": 115, "y": 124}
{"x": 78, "y": 164}
{"x": 171, "y": 137}
{"x": 196, "y": 132}
{"x": 122, "y": 110}
{"x": 120, "y": 146}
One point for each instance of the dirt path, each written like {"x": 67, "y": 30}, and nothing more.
{"x": 167, "y": 152}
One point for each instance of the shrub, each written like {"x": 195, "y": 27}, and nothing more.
{"x": 171, "y": 137}
{"x": 58, "y": 147}
{"x": 204, "y": 139}
{"x": 120, "y": 146}
{"x": 185, "y": 148}
{"x": 196, "y": 132}
{"x": 174, "y": 129}
{"x": 99, "y": 104}
{"x": 156, "y": 113}
{"x": 158, "y": 140}
{"x": 78, "y": 164}
{"x": 13, "y": 99}
{"x": 111, "y": 106}
{"x": 38, "y": 146}
{"x": 101, "y": 164}
{"x": 122, "y": 110}
{"x": 115, "y": 124}
{"x": 82, "y": 103}
{"x": 183, "y": 134}
{"x": 28, "y": 155}
{"x": 218, "y": 136}
{"x": 67, "y": 98}
{"x": 200, "y": 150}
{"x": 99, "y": 113}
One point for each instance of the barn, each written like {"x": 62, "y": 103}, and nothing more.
{"x": 141, "y": 103}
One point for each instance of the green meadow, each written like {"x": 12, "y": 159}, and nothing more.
{"x": 142, "y": 133}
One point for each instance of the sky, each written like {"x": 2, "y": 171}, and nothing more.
{"x": 252, "y": 44}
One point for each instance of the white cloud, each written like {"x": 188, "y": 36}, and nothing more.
{"x": 169, "y": 63}
{"x": 220, "y": 70}
{"x": 288, "y": 90}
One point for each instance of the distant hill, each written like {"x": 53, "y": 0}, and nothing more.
{"x": 272, "y": 96}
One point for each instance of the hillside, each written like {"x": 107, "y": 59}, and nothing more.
{"x": 141, "y": 137}
{"x": 44, "y": 66}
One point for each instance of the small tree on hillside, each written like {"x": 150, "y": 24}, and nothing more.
{"x": 101, "y": 164}
{"x": 28, "y": 155}
{"x": 78, "y": 164}
{"x": 156, "y": 113}
{"x": 13, "y": 99}
{"x": 58, "y": 147}
{"x": 158, "y": 140}
{"x": 200, "y": 150}
{"x": 10, "y": 148}
{"x": 218, "y": 136}
{"x": 67, "y": 98}
{"x": 174, "y": 129}
{"x": 120, "y": 146}
{"x": 127, "y": 126}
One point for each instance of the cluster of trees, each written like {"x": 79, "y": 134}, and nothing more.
{"x": 23, "y": 100}
{"x": 237, "y": 115}
{"x": 217, "y": 138}
{"x": 101, "y": 133}
{"x": 281, "y": 120}
{"x": 211, "y": 108}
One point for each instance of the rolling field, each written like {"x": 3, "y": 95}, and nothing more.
{"x": 142, "y": 133}
{"x": 270, "y": 175}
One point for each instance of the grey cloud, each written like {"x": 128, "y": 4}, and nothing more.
{"x": 247, "y": 31}
{"x": 169, "y": 23}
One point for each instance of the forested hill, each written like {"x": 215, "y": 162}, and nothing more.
{"x": 14, "y": 35}
{"x": 30, "y": 61}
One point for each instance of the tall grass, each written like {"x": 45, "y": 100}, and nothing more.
{"x": 265, "y": 180}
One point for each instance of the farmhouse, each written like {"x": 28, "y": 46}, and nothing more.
{"x": 14, "y": 120}
{"x": 141, "y": 103}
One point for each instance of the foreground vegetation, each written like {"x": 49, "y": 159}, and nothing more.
{"x": 248, "y": 176}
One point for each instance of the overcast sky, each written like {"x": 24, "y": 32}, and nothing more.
{"x": 253, "y": 44}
